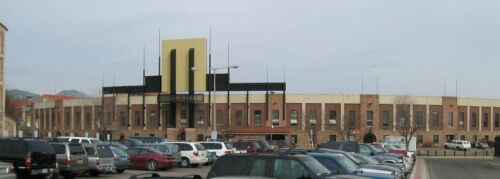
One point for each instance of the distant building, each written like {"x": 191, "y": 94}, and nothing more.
{"x": 176, "y": 104}
{"x": 3, "y": 31}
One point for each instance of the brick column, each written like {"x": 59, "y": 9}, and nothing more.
{"x": 82, "y": 118}
{"x": 480, "y": 118}
{"x": 468, "y": 118}
{"x": 72, "y": 119}
{"x": 322, "y": 116}
{"x": 411, "y": 115}
{"x": 491, "y": 118}
{"x": 394, "y": 117}
{"x": 50, "y": 119}
{"x": 427, "y": 112}
{"x": 92, "y": 119}
{"x": 303, "y": 116}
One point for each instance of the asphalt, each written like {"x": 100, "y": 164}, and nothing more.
{"x": 458, "y": 168}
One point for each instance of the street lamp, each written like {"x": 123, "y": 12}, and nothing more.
{"x": 214, "y": 122}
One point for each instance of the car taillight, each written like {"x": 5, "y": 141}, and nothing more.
{"x": 195, "y": 153}
{"x": 28, "y": 163}
{"x": 228, "y": 152}
{"x": 117, "y": 158}
{"x": 11, "y": 170}
{"x": 68, "y": 161}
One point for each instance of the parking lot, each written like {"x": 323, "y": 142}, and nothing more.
{"x": 463, "y": 168}
{"x": 451, "y": 152}
{"x": 202, "y": 171}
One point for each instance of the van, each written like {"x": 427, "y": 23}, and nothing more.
{"x": 71, "y": 158}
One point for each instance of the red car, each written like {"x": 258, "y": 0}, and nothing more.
{"x": 147, "y": 158}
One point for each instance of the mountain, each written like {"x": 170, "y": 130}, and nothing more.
{"x": 73, "y": 93}
{"x": 20, "y": 94}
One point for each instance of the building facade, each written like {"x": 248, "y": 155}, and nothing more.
{"x": 305, "y": 119}
{"x": 3, "y": 31}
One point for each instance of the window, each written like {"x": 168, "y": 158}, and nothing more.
{"x": 485, "y": 119}
{"x": 258, "y": 167}
{"x": 420, "y": 139}
{"x": 110, "y": 116}
{"x": 219, "y": 117}
{"x": 420, "y": 119}
{"x": 474, "y": 138}
{"x": 88, "y": 120}
{"x": 313, "y": 117}
{"x": 333, "y": 138}
{"x": 286, "y": 168}
{"x": 293, "y": 117}
{"x": 369, "y": 118}
{"x": 68, "y": 120}
{"x": 239, "y": 118}
{"x": 462, "y": 137}
{"x": 385, "y": 118}
{"x": 200, "y": 118}
{"x": 352, "y": 119}
{"x": 435, "y": 119}
{"x": 402, "y": 118}
{"x": 276, "y": 117}
{"x": 487, "y": 138}
{"x": 435, "y": 139}
{"x": 138, "y": 118}
{"x": 497, "y": 120}
{"x": 184, "y": 116}
{"x": 461, "y": 120}
{"x": 152, "y": 119}
{"x": 257, "y": 117}
{"x": 473, "y": 117}
{"x": 450, "y": 119}
{"x": 333, "y": 117}
{"x": 123, "y": 118}
{"x": 78, "y": 118}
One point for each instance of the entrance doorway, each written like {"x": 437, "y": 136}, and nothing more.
{"x": 369, "y": 138}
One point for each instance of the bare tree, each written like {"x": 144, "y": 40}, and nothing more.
{"x": 406, "y": 127}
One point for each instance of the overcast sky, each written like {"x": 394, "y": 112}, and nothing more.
{"x": 411, "y": 46}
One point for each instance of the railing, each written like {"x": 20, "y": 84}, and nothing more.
{"x": 454, "y": 153}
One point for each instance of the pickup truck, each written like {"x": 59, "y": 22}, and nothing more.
{"x": 457, "y": 144}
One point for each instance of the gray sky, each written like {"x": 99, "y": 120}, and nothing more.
{"x": 412, "y": 46}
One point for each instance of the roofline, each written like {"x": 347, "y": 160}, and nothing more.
{"x": 5, "y": 27}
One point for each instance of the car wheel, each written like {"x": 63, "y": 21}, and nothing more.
{"x": 94, "y": 173}
{"x": 194, "y": 165}
{"x": 152, "y": 165}
{"x": 185, "y": 163}
{"x": 69, "y": 176}
{"x": 120, "y": 170}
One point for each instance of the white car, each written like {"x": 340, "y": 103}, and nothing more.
{"x": 457, "y": 144}
{"x": 193, "y": 154}
{"x": 81, "y": 140}
{"x": 220, "y": 148}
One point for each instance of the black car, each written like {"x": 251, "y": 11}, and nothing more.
{"x": 31, "y": 157}
{"x": 272, "y": 165}
{"x": 344, "y": 146}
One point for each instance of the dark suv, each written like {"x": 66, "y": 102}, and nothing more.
{"x": 31, "y": 157}
{"x": 272, "y": 165}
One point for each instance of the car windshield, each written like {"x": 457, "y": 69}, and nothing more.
{"x": 315, "y": 166}
{"x": 199, "y": 147}
{"x": 347, "y": 164}
{"x": 96, "y": 141}
{"x": 228, "y": 145}
{"x": 354, "y": 159}
{"x": 367, "y": 159}
{"x": 119, "y": 152}
{"x": 397, "y": 147}
{"x": 389, "y": 147}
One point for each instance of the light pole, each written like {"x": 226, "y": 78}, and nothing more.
{"x": 214, "y": 121}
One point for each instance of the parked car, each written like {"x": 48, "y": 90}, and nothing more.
{"x": 100, "y": 159}
{"x": 390, "y": 149}
{"x": 148, "y": 158}
{"x": 271, "y": 165}
{"x": 30, "y": 157}
{"x": 149, "y": 139}
{"x": 121, "y": 159}
{"x": 480, "y": 145}
{"x": 249, "y": 146}
{"x": 264, "y": 146}
{"x": 171, "y": 150}
{"x": 220, "y": 148}
{"x": 457, "y": 144}
{"x": 7, "y": 171}
{"x": 235, "y": 150}
{"x": 71, "y": 159}
{"x": 344, "y": 146}
{"x": 193, "y": 154}
{"x": 157, "y": 176}
{"x": 370, "y": 161}
{"x": 82, "y": 140}
{"x": 211, "y": 157}
{"x": 340, "y": 164}
{"x": 129, "y": 142}
{"x": 279, "y": 143}
{"x": 116, "y": 145}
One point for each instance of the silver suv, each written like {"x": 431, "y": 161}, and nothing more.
{"x": 71, "y": 159}
{"x": 100, "y": 159}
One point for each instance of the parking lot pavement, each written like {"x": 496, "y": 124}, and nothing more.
{"x": 202, "y": 171}
{"x": 463, "y": 168}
